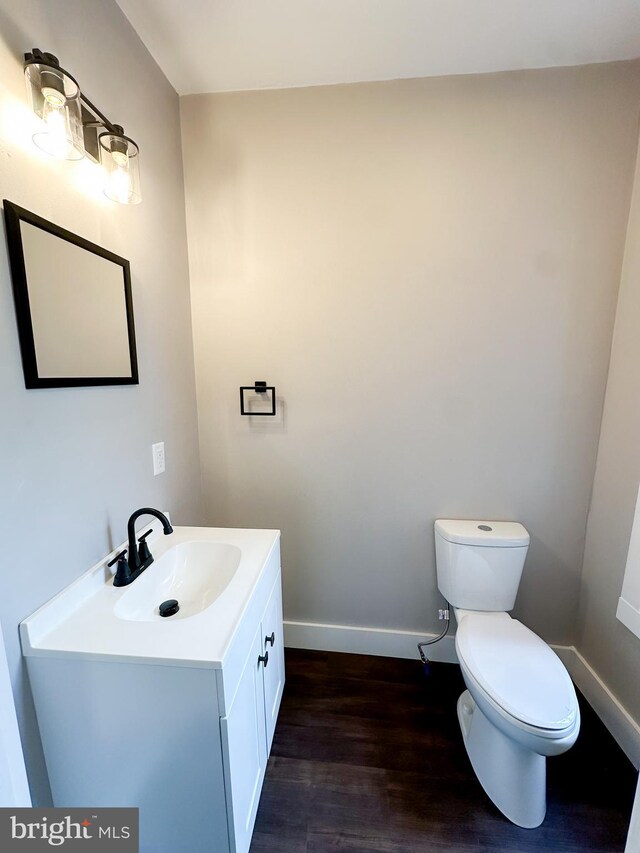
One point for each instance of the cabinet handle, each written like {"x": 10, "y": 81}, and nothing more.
{"x": 271, "y": 639}
{"x": 264, "y": 659}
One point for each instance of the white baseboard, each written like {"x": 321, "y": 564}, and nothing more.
{"x": 633, "y": 838}
{"x": 403, "y": 644}
{"x": 366, "y": 641}
{"x": 624, "y": 729}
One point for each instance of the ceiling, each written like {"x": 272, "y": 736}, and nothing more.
{"x": 226, "y": 45}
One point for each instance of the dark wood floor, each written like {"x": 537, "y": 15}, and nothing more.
{"x": 368, "y": 758}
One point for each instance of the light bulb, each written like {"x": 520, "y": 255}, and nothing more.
{"x": 53, "y": 96}
{"x": 118, "y": 188}
{"x": 120, "y": 158}
{"x": 55, "y": 140}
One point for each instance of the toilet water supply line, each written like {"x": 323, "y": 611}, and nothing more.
{"x": 447, "y": 619}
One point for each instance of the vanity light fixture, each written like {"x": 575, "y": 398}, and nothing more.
{"x": 74, "y": 128}
{"x": 119, "y": 156}
{"x": 55, "y": 98}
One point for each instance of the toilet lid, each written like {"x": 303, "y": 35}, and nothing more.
{"x": 517, "y": 670}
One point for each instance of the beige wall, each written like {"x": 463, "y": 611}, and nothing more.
{"x": 611, "y": 649}
{"x": 75, "y": 462}
{"x": 427, "y": 270}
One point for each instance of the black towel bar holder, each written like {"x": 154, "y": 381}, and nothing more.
{"x": 258, "y": 387}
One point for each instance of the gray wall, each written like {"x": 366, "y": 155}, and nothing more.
{"x": 75, "y": 463}
{"x": 611, "y": 649}
{"x": 427, "y": 270}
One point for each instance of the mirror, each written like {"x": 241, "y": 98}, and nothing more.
{"x": 73, "y": 306}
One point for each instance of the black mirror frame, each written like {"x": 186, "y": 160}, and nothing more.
{"x": 14, "y": 215}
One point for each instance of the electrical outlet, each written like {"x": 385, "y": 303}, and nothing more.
{"x": 443, "y": 614}
{"x": 157, "y": 451}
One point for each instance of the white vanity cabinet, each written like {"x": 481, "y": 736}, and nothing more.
{"x": 247, "y": 728}
{"x": 273, "y": 645}
{"x": 185, "y": 736}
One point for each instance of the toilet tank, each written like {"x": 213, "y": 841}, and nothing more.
{"x": 479, "y": 563}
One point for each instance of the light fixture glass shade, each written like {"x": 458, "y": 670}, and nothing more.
{"x": 55, "y": 98}
{"x": 120, "y": 158}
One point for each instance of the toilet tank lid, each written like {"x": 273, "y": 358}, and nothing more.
{"x": 494, "y": 534}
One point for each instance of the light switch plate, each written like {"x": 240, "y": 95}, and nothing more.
{"x": 158, "y": 458}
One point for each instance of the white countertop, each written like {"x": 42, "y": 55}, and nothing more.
{"x": 80, "y": 620}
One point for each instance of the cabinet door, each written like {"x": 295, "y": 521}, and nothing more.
{"x": 244, "y": 748}
{"x": 273, "y": 640}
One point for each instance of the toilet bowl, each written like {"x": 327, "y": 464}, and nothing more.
{"x": 520, "y": 705}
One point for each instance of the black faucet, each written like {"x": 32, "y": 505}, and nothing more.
{"x": 139, "y": 558}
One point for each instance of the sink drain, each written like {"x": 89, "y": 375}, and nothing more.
{"x": 168, "y": 608}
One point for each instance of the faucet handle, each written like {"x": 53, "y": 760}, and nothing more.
{"x": 123, "y": 573}
{"x": 119, "y": 557}
{"x": 143, "y": 549}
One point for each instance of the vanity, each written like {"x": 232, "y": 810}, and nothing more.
{"x": 174, "y": 715}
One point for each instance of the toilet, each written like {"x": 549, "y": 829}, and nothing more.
{"x": 520, "y": 705}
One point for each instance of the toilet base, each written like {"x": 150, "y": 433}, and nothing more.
{"x": 513, "y": 777}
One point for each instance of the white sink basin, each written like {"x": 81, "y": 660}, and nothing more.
{"x": 193, "y": 573}
{"x": 212, "y": 573}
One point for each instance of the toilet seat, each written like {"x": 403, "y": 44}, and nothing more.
{"x": 518, "y": 672}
